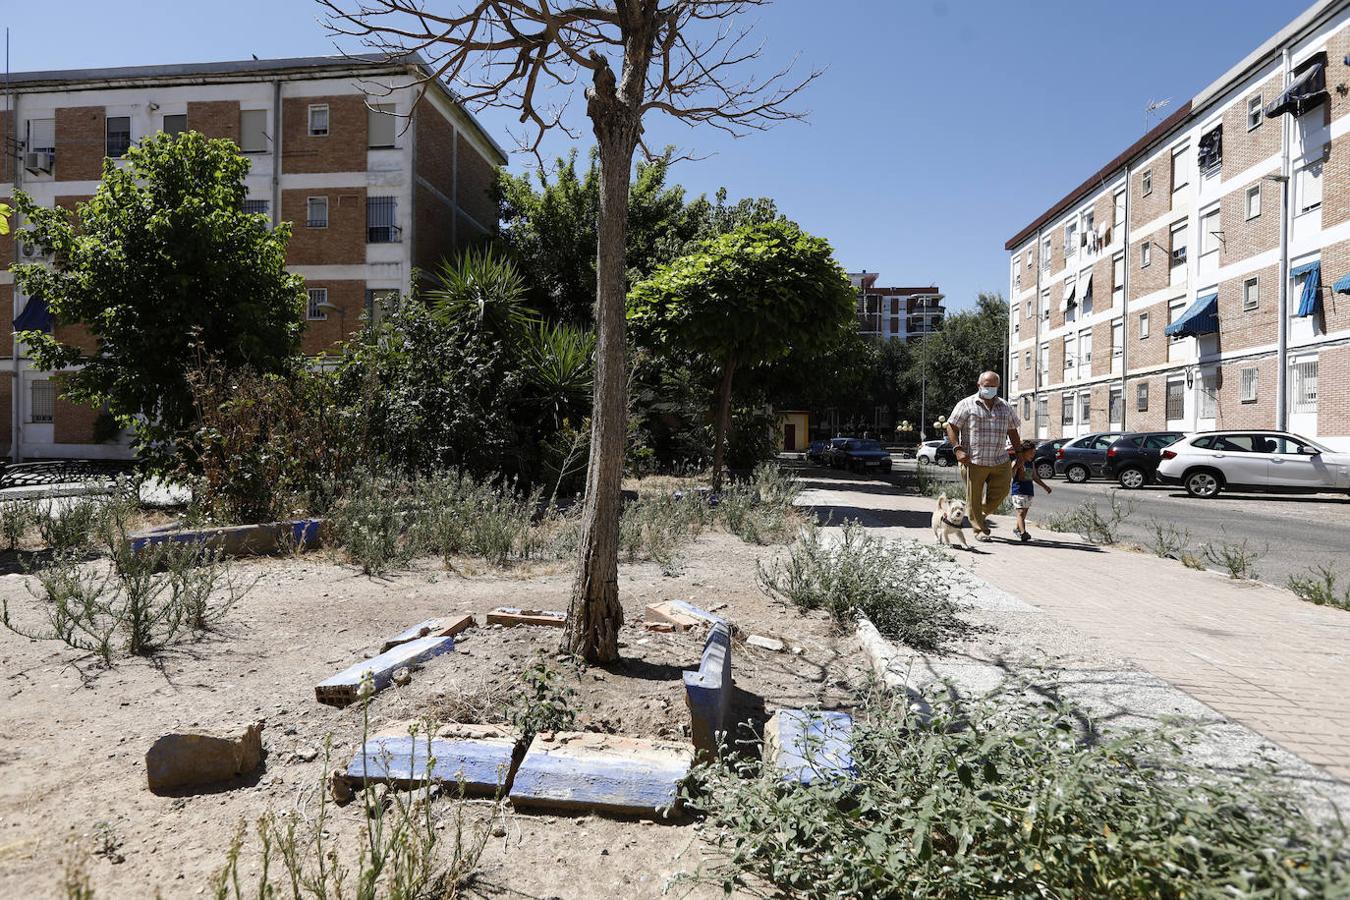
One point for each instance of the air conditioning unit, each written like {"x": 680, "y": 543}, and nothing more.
{"x": 1178, "y": 256}
{"x": 31, "y": 251}
{"x": 38, "y": 161}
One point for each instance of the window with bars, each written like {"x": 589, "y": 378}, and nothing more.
{"x": 316, "y": 212}
{"x": 254, "y": 207}
{"x": 1115, "y": 405}
{"x": 382, "y": 221}
{"x": 1141, "y": 396}
{"x": 1305, "y": 386}
{"x": 1176, "y": 399}
{"x": 1084, "y": 408}
{"x": 118, "y": 136}
{"x": 42, "y": 401}
{"x": 1248, "y": 385}
{"x": 316, "y": 309}
{"x": 1042, "y": 411}
{"x": 1066, "y": 410}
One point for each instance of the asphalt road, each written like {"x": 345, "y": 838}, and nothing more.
{"x": 1291, "y": 533}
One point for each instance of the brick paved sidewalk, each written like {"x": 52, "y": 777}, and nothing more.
{"x": 1253, "y": 652}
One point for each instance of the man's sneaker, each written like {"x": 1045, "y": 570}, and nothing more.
{"x": 1025, "y": 536}
{"x": 983, "y": 537}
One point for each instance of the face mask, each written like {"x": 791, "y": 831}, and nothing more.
{"x": 988, "y": 393}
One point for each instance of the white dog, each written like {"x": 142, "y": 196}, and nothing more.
{"x": 948, "y": 521}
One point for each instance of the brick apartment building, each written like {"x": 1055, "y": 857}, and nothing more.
{"x": 1201, "y": 279}
{"x": 375, "y": 188}
{"x": 896, "y": 313}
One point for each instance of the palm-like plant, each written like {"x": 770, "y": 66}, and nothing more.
{"x": 483, "y": 288}
{"x": 559, "y": 365}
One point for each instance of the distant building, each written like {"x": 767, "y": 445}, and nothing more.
{"x": 375, "y": 189}
{"x": 896, "y": 313}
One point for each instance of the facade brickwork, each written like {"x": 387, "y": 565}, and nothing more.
{"x": 1333, "y": 391}
{"x": 342, "y": 242}
{"x": 72, "y": 423}
{"x": 1335, "y": 307}
{"x": 7, "y": 241}
{"x": 1236, "y": 412}
{"x": 1145, "y": 207}
{"x": 1244, "y": 147}
{"x": 1145, "y": 280}
{"x": 1101, "y": 348}
{"x": 81, "y": 142}
{"x": 8, "y": 163}
{"x": 343, "y": 149}
{"x": 214, "y": 118}
{"x": 1245, "y": 237}
{"x": 1336, "y": 183}
{"x": 476, "y": 176}
{"x": 433, "y": 229}
{"x": 1241, "y": 328}
{"x": 320, "y": 336}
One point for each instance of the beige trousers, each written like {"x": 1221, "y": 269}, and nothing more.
{"x": 986, "y": 488}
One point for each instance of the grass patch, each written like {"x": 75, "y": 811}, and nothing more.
{"x": 1321, "y": 586}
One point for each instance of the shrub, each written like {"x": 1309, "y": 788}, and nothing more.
{"x": 541, "y": 702}
{"x": 761, "y": 511}
{"x": 1168, "y": 541}
{"x": 1089, "y": 522}
{"x": 658, "y": 525}
{"x": 903, "y": 587}
{"x": 16, "y": 517}
{"x": 372, "y": 524}
{"x": 68, "y": 524}
{"x": 1238, "y": 560}
{"x": 1320, "y": 587}
{"x": 999, "y": 796}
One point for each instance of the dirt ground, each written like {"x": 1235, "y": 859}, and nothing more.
{"x": 72, "y": 778}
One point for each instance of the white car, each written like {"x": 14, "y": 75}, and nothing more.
{"x": 927, "y": 452}
{"x": 1275, "y": 461}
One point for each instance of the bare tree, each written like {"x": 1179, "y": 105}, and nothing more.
{"x": 678, "y": 57}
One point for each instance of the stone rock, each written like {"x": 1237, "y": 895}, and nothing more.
{"x": 340, "y": 787}
{"x": 402, "y": 677}
{"x": 771, "y": 644}
{"x": 307, "y": 754}
{"x": 190, "y": 760}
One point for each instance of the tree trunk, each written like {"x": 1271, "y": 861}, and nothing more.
{"x": 723, "y": 422}
{"x": 595, "y": 614}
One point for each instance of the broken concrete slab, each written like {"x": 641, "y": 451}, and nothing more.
{"x": 806, "y": 745}
{"x": 446, "y": 626}
{"x": 601, "y": 773}
{"x": 341, "y": 689}
{"x": 682, "y": 615}
{"x": 764, "y": 642}
{"x": 707, "y": 691}
{"x": 182, "y": 760}
{"x": 482, "y": 762}
{"x": 511, "y": 617}
{"x": 240, "y": 540}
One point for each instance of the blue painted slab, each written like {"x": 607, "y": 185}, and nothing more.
{"x": 636, "y": 783}
{"x": 340, "y": 689}
{"x": 483, "y": 765}
{"x": 806, "y": 746}
{"x": 707, "y": 691}
{"x": 238, "y": 539}
{"x": 701, "y": 614}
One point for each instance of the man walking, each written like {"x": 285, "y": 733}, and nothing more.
{"x": 978, "y": 429}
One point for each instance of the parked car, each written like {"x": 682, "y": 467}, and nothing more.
{"x": 1084, "y": 457}
{"x": 859, "y": 454}
{"x": 1044, "y": 460}
{"x": 832, "y": 446}
{"x": 927, "y": 452}
{"x": 1275, "y": 461}
{"x": 818, "y": 452}
{"x": 1133, "y": 459}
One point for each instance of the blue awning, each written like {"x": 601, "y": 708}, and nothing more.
{"x": 1201, "y": 318}
{"x": 1310, "y": 302}
{"x": 1342, "y": 286}
{"x": 35, "y": 316}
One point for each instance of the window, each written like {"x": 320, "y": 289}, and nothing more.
{"x": 1141, "y": 397}
{"x": 1066, "y": 410}
{"x": 1251, "y": 294}
{"x": 1070, "y": 238}
{"x": 1030, "y": 312}
{"x": 42, "y": 135}
{"x": 256, "y": 206}
{"x": 1118, "y": 212}
{"x": 1085, "y": 348}
{"x": 1068, "y": 352}
{"x": 1045, "y": 362}
{"x": 1253, "y": 201}
{"x": 318, "y": 120}
{"x": 382, "y": 228}
{"x": 1309, "y": 187}
{"x": 1071, "y": 303}
{"x": 1026, "y": 360}
{"x": 1086, "y": 302}
{"x": 1305, "y": 386}
{"x": 1175, "y": 310}
{"x": 118, "y": 136}
{"x": 1208, "y": 404}
{"x": 1045, "y": 306}
{"x": 42, "y": 400}
{"x": 1026, "y": 408}
{"x": 1042, "y": 410}
{"x": 1045, "y": 253}
{"x": 1211, "y": 231}
{"x": 1143, "y": 325}
{"x": 253, "y": 130}
{"x": 1118, "y": 280}
{"x": 1248, "y": 385}
{"x": 175, "y": 124}
{"x": 1084, "y": 408}
{"x": 1180, "y": 235}
{"x": 1176, "y": 399}
{"x": 1209, "y": 157}
{"x": 1117, "y": 339}
{"x": 1146, "y": 182}
{"x": 316, "y": 310}
{"x": 316, "y": 212}
{"x": 895, "y": 324}
{"x": 1254, "y": 116}
{"x": 382, "y": 125}
{"x": 1115, "y": 405}
{"x": 1180, "y": 171}
{"x": 1016, "y": 320}
{"x": 1145, "y": 254}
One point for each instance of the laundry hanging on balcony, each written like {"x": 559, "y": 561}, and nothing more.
{"x": 1310, "y": 301}
{"x": 1308, "y": 90}
{"x": 35, "y": 316}
{"x": 1201, "y": 318}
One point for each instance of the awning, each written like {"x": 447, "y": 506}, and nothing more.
{"x": 1201, "y": 318}
{"x": 35, "y": 316}
{"x": 1342, "y": 286}
{"x": 1087, "y": 287}
{"x": 1308, "y": 90}
{"x": 1310, "y": 301}
{"x": 1069, "y": 297}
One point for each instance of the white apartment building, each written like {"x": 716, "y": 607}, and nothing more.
{"x": 896, "y": 313}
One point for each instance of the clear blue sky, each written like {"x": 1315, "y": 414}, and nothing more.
{"x": 940, "y": 128}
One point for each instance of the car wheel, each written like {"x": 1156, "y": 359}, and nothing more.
{"x": 1132, "y": 478}
{"x": 944, "y": 462}
{"x": 1077, "y": 474}
{"x": 923, "y": 460}
{"x": 1203, "y": 483}
{"x": 1045, "y": 470}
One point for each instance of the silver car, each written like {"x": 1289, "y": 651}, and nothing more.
{"x": 1275, "y": 461}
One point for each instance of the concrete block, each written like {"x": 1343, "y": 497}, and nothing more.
{"x": 340, "y": 690}
{"x": 182, "y": 760}
{"x": 601, "y": 772}
{"x": 682, "y": 615}
{"x": 510, "y": 617}
{"x": 240, "y": 540}
{"x": 764, "y": 642}
{"x": 707, "y": 691}
{"x": 809, "y": 745}
{"x": 449, "y": 626}
{"x": 482, "y": 758}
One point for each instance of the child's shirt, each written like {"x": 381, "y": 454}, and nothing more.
{"x": 1022, "y": 485}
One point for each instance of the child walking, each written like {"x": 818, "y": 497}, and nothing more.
{"x": 1024, "y": 480}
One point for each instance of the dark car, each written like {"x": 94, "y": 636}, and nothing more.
{"x": 830, "y": 454}
{"x": 944, "y": 454}
{"x": 859, "y": 455}
{"x": 1084, "y": 457}
{"x": 818, "y": 452}
{"x": 1044, "y": 460}
{"x": 1133, "y": 459}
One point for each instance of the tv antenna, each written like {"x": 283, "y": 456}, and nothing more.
{"x": 1153, "y": 110}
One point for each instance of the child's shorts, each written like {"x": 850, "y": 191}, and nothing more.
{"x": 1021, "y": 501}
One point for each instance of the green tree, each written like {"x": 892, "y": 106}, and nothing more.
{"x": 742, "y": 300}
{"x": 166, "y": 270}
